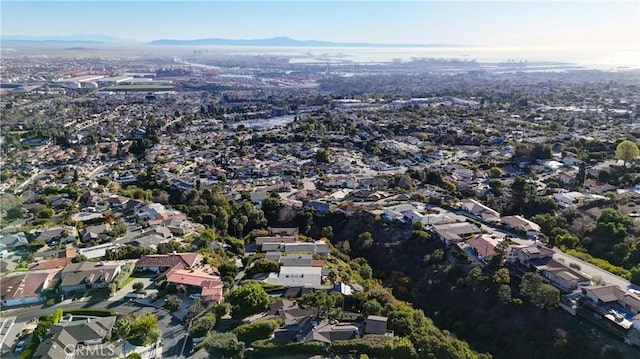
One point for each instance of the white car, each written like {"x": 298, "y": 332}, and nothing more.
{"x": 20, "y": 346}
{"x": 194, "y": 296}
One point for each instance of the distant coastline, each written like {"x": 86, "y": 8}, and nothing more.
{"x": 283, "y": 41}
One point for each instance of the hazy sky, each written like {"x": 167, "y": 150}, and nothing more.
{"x": 477, "y": 23}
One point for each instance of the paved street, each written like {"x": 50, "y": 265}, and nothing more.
{"x": 591, "y": 270}
{"x": 586, "y": 268}
{"x": 172, "y": 329}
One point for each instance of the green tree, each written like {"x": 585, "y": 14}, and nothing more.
{"x": 46, "y": 213}
{"x": 365, "y": 239}
{"x": 203, "y": 325}
{"x": 546, "y": 221}
{"x": 323, "y": 155}
{"x": 320, "y": 301}
{"x": 122, "y": 328}
{"x": 495, "y": 185}
{"x": 248, "y": 299}
{"x": 635, "y": 275}
{"x": 476, "y": 279}
{"x": 223, "y": 346}
{"x": 172, "y": 302}
{"x": 504, "y": 293}
{"x": 542, "y": 295}
{"x": 581, "y": 175}
{"x": 546, "y": 297}
{"x": 138, "y": 287}
{"x": 228, "y": 269}
{"x": 366, "y": 272}
{"x": 627, "y": 151}
{"x": 501, "y": 276}
{"x": 530, "y": 283}
{"x": 249, "y": 333}
{"x": 495, "y": 172}
{"x": 371, "y": 307}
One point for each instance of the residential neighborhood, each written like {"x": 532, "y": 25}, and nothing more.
{"x": 179, "y": 202}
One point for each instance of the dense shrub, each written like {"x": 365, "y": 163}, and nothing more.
{"x": 601, "y": 263}
{"x": 269, "y": 349}
{"x": 249, "y": 333}
{"x": 124, "y": 274}
{"x": 96, "y": 312}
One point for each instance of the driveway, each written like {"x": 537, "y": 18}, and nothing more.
{"x": 149, "y": 287}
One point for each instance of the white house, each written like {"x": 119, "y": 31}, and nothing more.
{"x": 478, "y": 209}
{"x": 24, "y": 288}
{"x": 150, "y": 211}
{"x": 309, "y": 277}
{"x": 571, "y": 199}
{"x": 520, "y": 223}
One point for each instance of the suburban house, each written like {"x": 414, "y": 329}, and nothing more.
{"x": 13, "y": 241}
{"x": 523, "y": 254}
{"x": 299, "y": 260}
{"x": 88, "y": 275}
{"x": 66, "y": 338}
{"x": 95, "y": 232}
{"x": 25, "y": 288}
{"x": 572, "y": 199}
{"x": 402, "y": 212}
{"x": 307, "y": 328}
{"x": 160, "y": 263}
{"x": 326, "y": 332}
{"x": 294, "y": 317}
{"x": 284, "y": 232}
{"x": 260, "y": 241}
{"x": 178, "y": 226}
{"x": 117, "y": 201}
{"x": 454, "y": 232}
{"x": 310, "y": 277}
{"x": 613, "y": 303}
{"x": 540, "y": 259}
{"x": 478, "y": 209}
{"x": 375, "y": 324}
{"x": 207, "y": 284}
{"x": 482, "y": 246}
{"x": 65, "y": 257}
{"x": 317, "y": 247}
{"x": 57, "y": 234}
{"x": 522, "y": 224}
{"x": 563, "y": 277}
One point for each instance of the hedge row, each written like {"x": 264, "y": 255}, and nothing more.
{"x": 249, "y": 333}
{"x": 601, "y": 263}
{"x": 95, "y": 312}
{"x": 269, "y": 349}
{"x": 124, "y": 274}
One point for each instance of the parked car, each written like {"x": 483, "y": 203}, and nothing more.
{"x": 194, "y": 295}
{"x": 20, "y": 346}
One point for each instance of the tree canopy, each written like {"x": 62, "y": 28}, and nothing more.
{"x": 249, "y": 299}
{"x": 627, "y": 151}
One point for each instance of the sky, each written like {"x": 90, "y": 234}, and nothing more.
{"x": 516, "y": 23}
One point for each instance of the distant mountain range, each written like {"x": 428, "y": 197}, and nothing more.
{"x": 282, "y": 41}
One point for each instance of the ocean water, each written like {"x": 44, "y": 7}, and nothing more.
{"x": 601, "y": 58}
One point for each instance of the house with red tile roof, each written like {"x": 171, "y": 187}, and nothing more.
{"x": 208, "y": 284}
